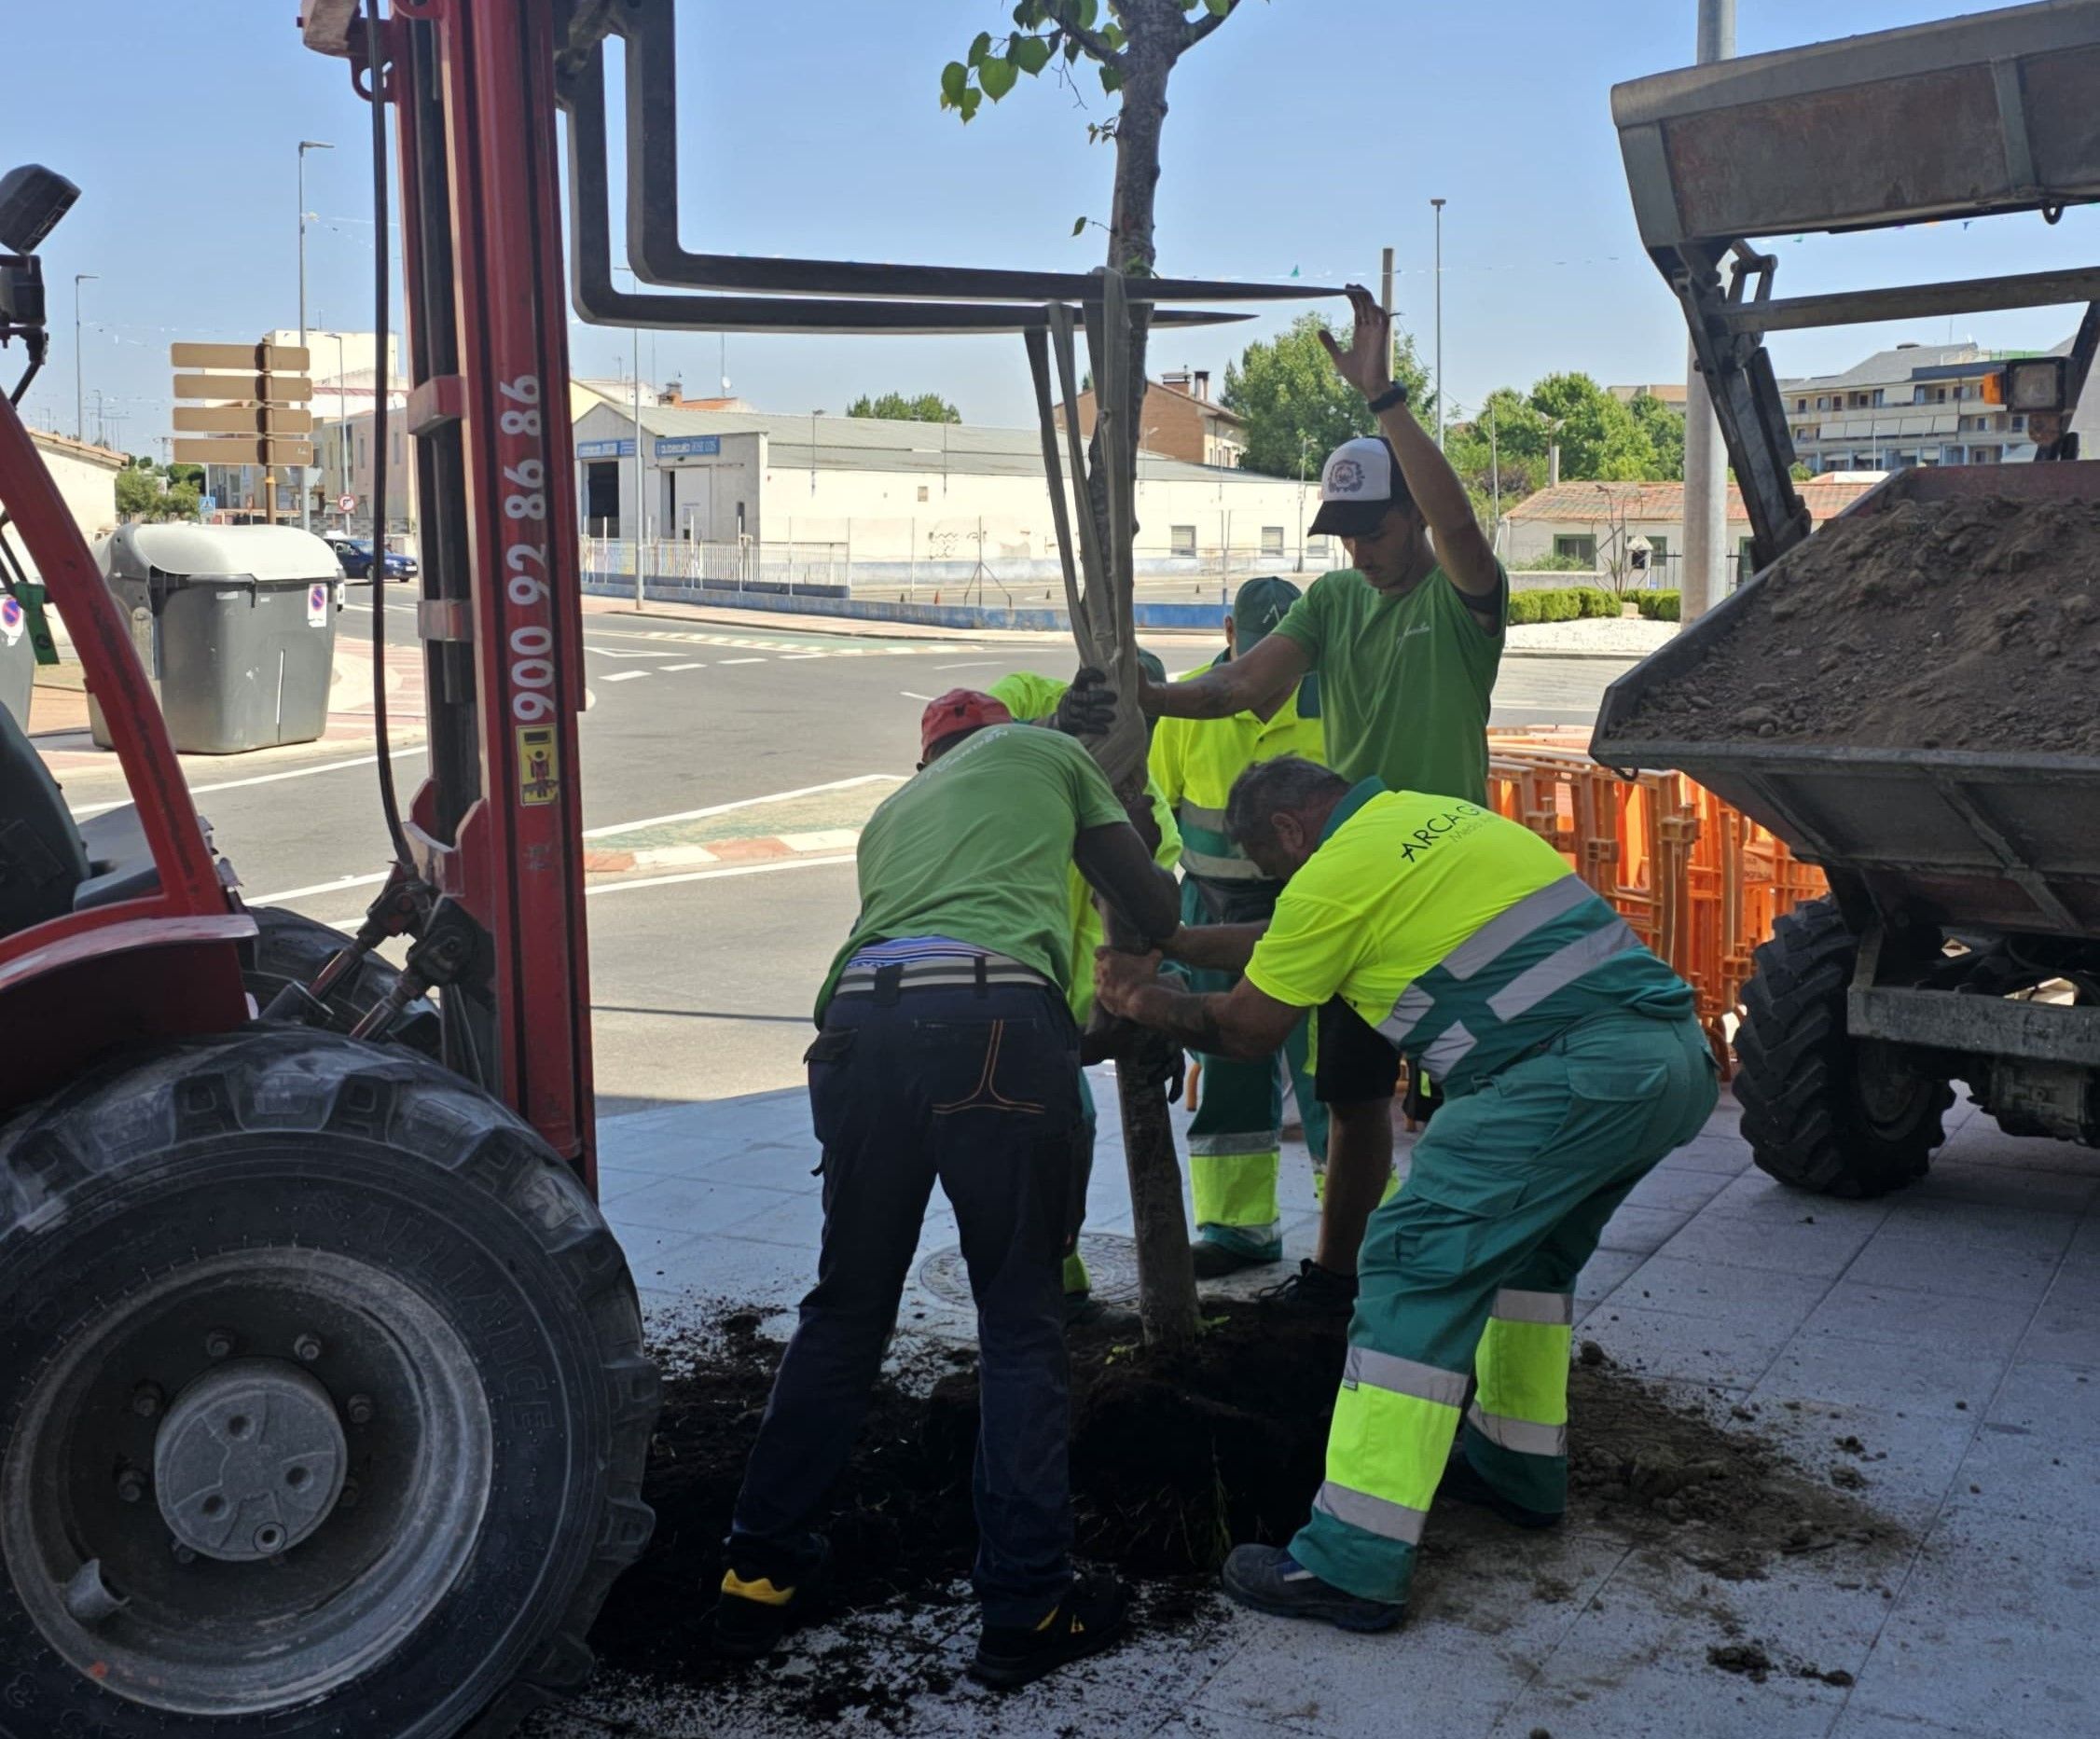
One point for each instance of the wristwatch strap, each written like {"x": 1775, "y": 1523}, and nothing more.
{"x": 1394, "y": 394}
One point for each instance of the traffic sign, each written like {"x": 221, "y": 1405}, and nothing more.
{"x": 345, "y": 503}
{"x": 233, "y": 450}
{"x": 276, "y": 388}
{"x": 207, "y": 503}
{"x": 287, "y": 359}
{"x": 280, "y": 419}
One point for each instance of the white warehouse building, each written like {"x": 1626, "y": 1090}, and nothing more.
{"x": 891, "y": 498}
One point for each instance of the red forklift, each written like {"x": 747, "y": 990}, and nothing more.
{"x": 323, "y": 1391}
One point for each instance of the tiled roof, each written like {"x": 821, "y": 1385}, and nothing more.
{"x": 1663, "y": 503}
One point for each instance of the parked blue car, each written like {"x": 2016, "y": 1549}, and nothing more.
{"x": 356, "y": 554}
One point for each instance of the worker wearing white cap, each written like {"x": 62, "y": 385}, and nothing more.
{"x": 1406, "y": 642}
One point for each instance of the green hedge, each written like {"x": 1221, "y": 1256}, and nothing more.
{"x": 1658, "y": 606}
{"x": 1561, "y": 604}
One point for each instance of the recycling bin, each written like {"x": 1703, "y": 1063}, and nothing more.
{"x": 236, "y": 625}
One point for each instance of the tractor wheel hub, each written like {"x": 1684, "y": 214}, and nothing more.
{"x": 249, "y": 1461}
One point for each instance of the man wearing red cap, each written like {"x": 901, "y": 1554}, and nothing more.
{"x": 948, "y": 1052}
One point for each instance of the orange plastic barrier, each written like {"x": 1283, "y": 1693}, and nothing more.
{"x": 1697, "y": 880}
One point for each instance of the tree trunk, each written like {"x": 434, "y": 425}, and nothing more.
{"x": 1166, "y": 1301}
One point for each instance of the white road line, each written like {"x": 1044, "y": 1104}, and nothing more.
{"x": 86, "y": 810}
{"x": 617, "y": 652}
{"x": 981, "y": 663}
{"x": 740, "y": 661}
{"x": 910, "y": 695}
{"x": 668, "y": 668}
{"x": 744, "y": 803}
{"x": 797, "y": 657}
{"x": 714, "y": 874}
{"x": 337, "y": 886}
{"x": 623, "y": 676}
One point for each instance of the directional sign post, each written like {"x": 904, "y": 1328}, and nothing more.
{"x": 254, "y": 411}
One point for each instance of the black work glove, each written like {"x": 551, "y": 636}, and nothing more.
{"x": 1172, "y": 1073}
{"x": 1087, "y": 707}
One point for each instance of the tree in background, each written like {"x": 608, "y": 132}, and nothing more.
{"x": 896, "y": 407}
{"x": 144, "y": 491}
{"x": 1297, "y": 409}
{"x": 1664, "y": 425}
{"x": 1600, "y": 440}
{"x": 1133, "y": 47}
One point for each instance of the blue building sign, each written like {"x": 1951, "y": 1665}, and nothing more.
{"x": 606, "y": 449}
{"x": 689, "y": 447}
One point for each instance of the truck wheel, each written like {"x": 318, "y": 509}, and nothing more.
{"x": 325, "y": 1400}
{"x": 292, "y": 949}
{"x": 1823, "y": 1111}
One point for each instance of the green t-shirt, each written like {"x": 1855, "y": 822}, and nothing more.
{"x": 1404, "y": 682}
{"x": 979, "y": 849}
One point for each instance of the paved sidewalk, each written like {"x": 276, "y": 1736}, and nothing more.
{"x": 1954, "y": 1329}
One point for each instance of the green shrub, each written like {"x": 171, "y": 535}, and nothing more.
{"x": 1561, "y": 604}
{"x": 1658, "y": 606}
{"x": 1557, "y": 564}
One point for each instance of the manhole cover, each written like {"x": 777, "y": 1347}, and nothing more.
{"x": 1111, "y": 1264}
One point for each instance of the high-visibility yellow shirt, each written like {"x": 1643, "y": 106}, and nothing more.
{"x": 1029, "y": 695}
{"x": 1194, "y": 763}
{"x": 1462, "y": 937}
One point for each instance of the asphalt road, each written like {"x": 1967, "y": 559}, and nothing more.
{"x": 702, "y": 981}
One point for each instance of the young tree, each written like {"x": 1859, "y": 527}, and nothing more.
{"x": 1297, "y": 409}
{"x": 1600, "y": 438}
{"x": 1133, "y": 47}
{"x": 1664, "y": 425}
{"x": 896, "y": 407}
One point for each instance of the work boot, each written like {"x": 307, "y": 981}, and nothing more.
{"x": 1214, "y": 1258}
{"x": 1270, "y": 1579}
{"x": 1468, "y": 1485}
{"x": 1092, "y": 1615}
{"x": 1320, "y": 1290}
{"x": 755, "y": 1611}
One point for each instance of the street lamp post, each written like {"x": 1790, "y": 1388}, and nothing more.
{"x": 1305, "y": 447}
{"x": 79, "y": 397}
{"x": 1439, "y": 205}
{"x": 306, "y": 472}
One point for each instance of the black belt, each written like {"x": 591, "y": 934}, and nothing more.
{"x": 960, "y": 971}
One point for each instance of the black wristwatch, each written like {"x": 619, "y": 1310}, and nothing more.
{"x": 1394, "y": 394}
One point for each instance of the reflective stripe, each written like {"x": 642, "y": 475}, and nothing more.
{"x": 1560, "y": 969}
{"x": 1448, "y": 1050}
{"x": 1196, "y": 815}
{"x": 1234, "y": 1144}
{"x": 1414, "y": 1003}
{"x": 1403, "y": 1376}
{"x": 1535, "y": 911}
{"x": 1554, "y": 1307}
{"x": 1219, "y": 869}
{"x": 1521, "y": 1436}
{"x": 1373, "y": 1516}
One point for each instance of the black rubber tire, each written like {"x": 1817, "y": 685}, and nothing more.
{"x": 292, "y": 949}
{"x": 1802, "y": 1081}
{"x": 271, "y": 1145}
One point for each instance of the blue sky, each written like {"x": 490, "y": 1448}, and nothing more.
{"x": 1306, "y": 134}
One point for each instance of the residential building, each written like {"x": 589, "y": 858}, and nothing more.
{"x": 345, "y": 465}
{"x": 1603, "y": 525}
{"x": 86, "y": 476}
{"x": 1914, "y": 404}
{"x": 913, "y": 492}
{"x": 1183, "y": 421}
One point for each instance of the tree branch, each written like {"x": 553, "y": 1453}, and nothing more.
{"x": 1209, "y": 22}
{"x": 1096, "y": 45}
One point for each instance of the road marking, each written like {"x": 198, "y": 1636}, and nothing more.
{"x": 623, "y": 676}
{"x": 825, "y": 839}
{"x": 744, "y": 803}
{"x": 910, "y": 695}
{"x": 981, "y": 663}
{"x": 86, "y": 810}
{"x": 797, "y": 657}
{"x": 668, "y": 668}
{"x": 337, "y": 886}
{"x": 614, "y": 652}
{"x": 714, "y": 874}
{"x": 740, "y": 661}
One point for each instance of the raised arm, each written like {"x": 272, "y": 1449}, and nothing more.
{"x": 1117, "y": 865}
{"x": 1461, "y": 546}
{"x": 1260, "y": 682}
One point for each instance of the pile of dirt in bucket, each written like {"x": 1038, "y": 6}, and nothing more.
{"x": 1175, "y": 1458}
{"x": 1968, "y": 624}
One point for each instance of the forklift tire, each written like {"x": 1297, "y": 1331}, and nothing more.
{"x": 325, "y": 1400}
{"x": 292, "y": 949}
{"x": 1823, "y": 1111}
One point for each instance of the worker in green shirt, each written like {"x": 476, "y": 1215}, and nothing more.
{"x": 1572, "y": 1063}
{"x": 1406, "y": 642}
{"x": 948, "y": 1052}
{"x": 1235, "y": 1135}
{"x": 1085, "y": 710}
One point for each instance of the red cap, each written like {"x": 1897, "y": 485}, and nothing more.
{"x": 959, "y": 710}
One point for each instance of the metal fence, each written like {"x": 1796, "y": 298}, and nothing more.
{"x": 674, "y": 569}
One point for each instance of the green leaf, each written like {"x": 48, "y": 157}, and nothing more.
{"x": 1079, "y": 228}
{"x": 997, "y": 77}
{"x": 1028, "y": 14}
{"x": 1111, "y": 34}
{"x": 955, "y": 80}
{"x": 971, "y": 100}
{"x": 1084, "y": 12}
{"x": 1218, "y": 9}
{"x": 980, "y": 48}
{"x": 1112, "y": 79}
{"x": 1031, "y": 54}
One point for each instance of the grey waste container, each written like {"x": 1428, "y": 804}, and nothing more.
{"x": 240, "y": 621}
{"x": 18, "y": 659}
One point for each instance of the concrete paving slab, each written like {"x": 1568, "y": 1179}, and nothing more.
{"x": 1858, "y": 1723}
{"x": 1807, "y": 1242}
{"x": 1643, "y": 1230}
{"x": 1927, "y": 1322}
{"x": 1712, "y": 1350}
{"x": 1949, "y": 1258}
{"x": 1661, "y": 1702}
{"x": 2066, "y": 1329}
{"x": 1709, "y": 1288}
{"x": 1999, "y": 1182}
{"x": 2034, "y": 1451}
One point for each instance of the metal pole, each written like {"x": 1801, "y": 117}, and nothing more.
{"x": 1705, "y": 459}
{"x": 306, "y": 473}
{"x": 1494, "y": 481}
{"x": 79, "y": 398}
{"x": 639, "y": 486}
{"x": 1439, "y": 205}
{"x": 1386, "y": 297}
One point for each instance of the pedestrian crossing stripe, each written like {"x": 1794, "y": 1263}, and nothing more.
{"x": 802, "y": 649}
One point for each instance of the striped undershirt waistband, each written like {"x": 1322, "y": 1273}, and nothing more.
{"x": 961, "y": 968}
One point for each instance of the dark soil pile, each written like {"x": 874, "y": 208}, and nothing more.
{"x": 1970, "y": 624}
{"x": 1175, "y": 1458}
